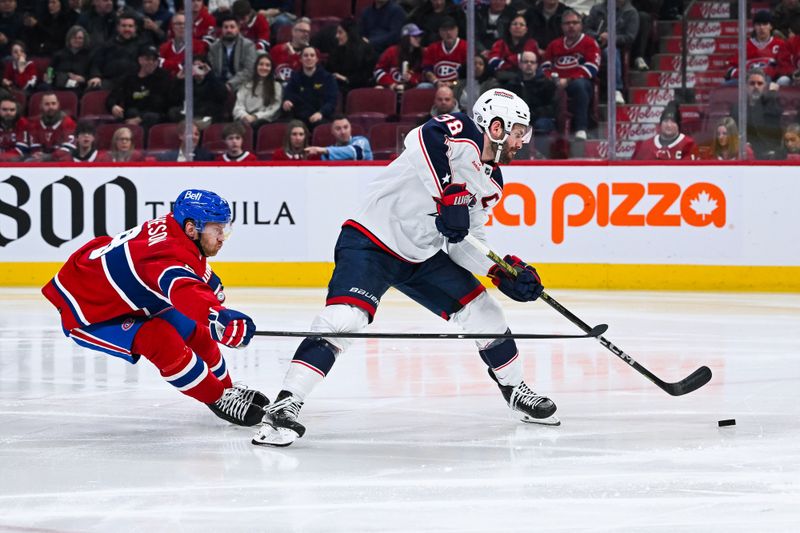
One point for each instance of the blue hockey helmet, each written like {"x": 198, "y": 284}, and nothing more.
{"x": 202, "y": 207}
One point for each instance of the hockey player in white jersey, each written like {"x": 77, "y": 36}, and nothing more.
{"x": 409, "y": 235}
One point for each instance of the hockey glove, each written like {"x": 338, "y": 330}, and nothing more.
{"x": 525, "y": 287}
{"x": 229, "y": 327}
{"x": 452, "y": 219}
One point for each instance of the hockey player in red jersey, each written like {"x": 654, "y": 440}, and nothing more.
{"x": 410, "y": 235}
{"x": 148, "y": 292}
{"x": 669, "y": 143}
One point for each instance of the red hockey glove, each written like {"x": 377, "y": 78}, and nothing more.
{"x": 525, "y": 287}
{"x": 229, "y": 327}
{"x": 452, "y": 219}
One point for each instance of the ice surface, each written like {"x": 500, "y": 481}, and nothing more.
{"x": 412, "y": 435}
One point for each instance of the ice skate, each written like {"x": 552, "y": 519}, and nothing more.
{"x": 238, "y": 406}
{"x": 280, "y": 426}
{"x": 535, "y": 409}
{"x": 251, "y": 395}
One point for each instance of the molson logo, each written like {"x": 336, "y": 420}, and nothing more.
{"x": 698, "y": 205}
{"x": 693, "y": 63}
{"x": 651, "y": 114}
{"x": 702, "y": 46}
{"x": 704, "y": 29}
{"x": 715, "y": 10}
{"x": 659, "y": 96}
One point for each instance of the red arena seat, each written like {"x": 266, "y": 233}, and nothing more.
{"x": 416, "y": 104}
{"x": 67, "y": 99}
{"x": 106, "y": 131}
{"x": 163, "y": 137}
{"x": 93, "y": 106}
{"x": 322, "y": 135}
{"x": 270, "y": 138}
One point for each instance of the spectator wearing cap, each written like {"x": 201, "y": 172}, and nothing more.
{"x": 352, "y": 60}
{"x": 85, "y": 148}
{"x": 232, "y": 56}
{"x": 430, "y": 15}
{"x": 766, "y": 52}
{"x": 253, "y": 25}
{"x": 400, "y": 66}
{"x": 442, "y": 60}
{"x": 71, "y": 63}
{"x": 118, "y": 57}
{"x": 669, "y": 143}
{"x": 142, "y": 98}
{"x": 491, "y": 22}
{"x": 311, "y": 93}
{"x": 345, "y": 147}
{"x": 381, "y": 23}
{"x": 286, "y": 56}
{"x": 208, "y": 91}
{"x": 173, "y": 52}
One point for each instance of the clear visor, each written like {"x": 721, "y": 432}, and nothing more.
{"x": 521, "y": 131}
{"x": 218, "y": 229}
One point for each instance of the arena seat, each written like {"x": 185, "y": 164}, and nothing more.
{"x": 331, "y": 8}
{"x": 214, "y": 143}
{"x": 270, "y": 138}
{"x": 106, "y": 131}
{"x": 322, "y": 135}
{"x": 369, "y": 106}
{"x": 415, "y": 104}
{"x": 386, "y": 139}
{"x": 93, "y": 107}
{"x": 163, "y": 137}
{"x": 67, "y": 99}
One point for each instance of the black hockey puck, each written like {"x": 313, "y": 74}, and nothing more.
{"x": 728, "y": 422}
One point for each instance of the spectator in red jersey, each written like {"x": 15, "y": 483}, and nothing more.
{"x": 669, "y": 143}
{"x": 232, "y": 56}
{"x": 253, "y": 25}
{"x": 118, "y": 57}
{"x": 233, "y": 135}
{"x": 173, "y": 52}
{"x": 71, "y": 64}
{"x": 544, "y": 21}
{"x": 311, "y": 93}
{"x": 400, "y": 66}
{"x": 46, "y": 36}
{"x": 442, "y": 60}
{"x": 572, "y": 61}
{"x": 725, "y": 145}
{"x": 258, "y": 101}
{"x": 122, "y": 149}
{"x": 352, "y": 60}
{"x": 505, "y": 53}
{"x": 295, "y": 141}
{"x": 143, "y": 97}
{"x": 286, "y": 56}
{"x": 85, "y": 148}
{"x": 19, "y": 74}
{"x": 491, "y": 23}
{"x": 766, "y": 52}
{"x": 380, "y": 24}
{"x": 51, "y": 131}
{"x": 431, "y": 14}
{"x": 205, "y": 25}
{"x": 13, "y": 131}
{"x": 100, "y": 21}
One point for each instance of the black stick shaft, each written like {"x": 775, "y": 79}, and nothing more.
{"x": 694, "y": 381}
{"x": 592, "y": 332}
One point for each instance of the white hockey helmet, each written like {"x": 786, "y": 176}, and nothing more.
{"x": 505, "y": 105}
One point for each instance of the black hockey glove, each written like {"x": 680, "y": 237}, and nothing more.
{"x": 525, "y": 287}
{"x": 452, "y": 219}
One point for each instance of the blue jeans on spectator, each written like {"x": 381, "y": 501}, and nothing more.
{"x": 579, "y": 97}
{"x": 618, "y": 64}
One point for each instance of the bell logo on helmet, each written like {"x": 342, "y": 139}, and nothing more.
{"x": 193, "y": 195}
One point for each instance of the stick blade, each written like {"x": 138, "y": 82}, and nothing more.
{"x": 598, "y": 330}
{"x": 690, "y": 383}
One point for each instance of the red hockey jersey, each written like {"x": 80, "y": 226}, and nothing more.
{"x": 13, "y": 140}
{"x": 43, "y": 138}
{"x": 774, "y": 57}
{"x": 388, "y": 70}
{"x": 581, "y": 60}
{"x": 683, "y": 147}
{"x": 205, "y": 26}
{"x": 171, "y": 58}
{"x": 285, "y": 60}
{"x": 502, "y": 58}
{"x": 24, "y": 80}
{"x": 257, "y": 30}
{"x": 442, "y": 62}
{"x": 245, "y": 156}
{"x": 140, "y": 272}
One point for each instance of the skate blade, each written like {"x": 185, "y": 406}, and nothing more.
{"x": 549, "y": 421}
{"x": 271, "y": 436}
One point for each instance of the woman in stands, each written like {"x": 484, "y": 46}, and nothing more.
{"x": 352, "y": 60}
{"x": 295, "y": 141}
{"x": 790, "y": 144}
{"x": 123, "y": 149}
{"x": 20, "y": 74}
{"x": 400, "y": 66}
{"x": 725, "y": 145}
{"x": 505, "y": 53}
{"x": 258, "y": 101}
{"x": 71, "y": 64}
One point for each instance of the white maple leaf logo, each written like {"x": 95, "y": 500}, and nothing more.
{"x": 703, "y": 205}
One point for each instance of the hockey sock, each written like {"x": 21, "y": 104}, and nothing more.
{"x": 163, "y": 346}
{"x": 312, "y": 362}
{"x": 202, "y": 344}
{"x": 503, "y": 358}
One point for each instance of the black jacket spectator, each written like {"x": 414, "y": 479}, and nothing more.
{"x": 45, "y": 35}
{"x": 542, "y": 27}
{"x": 117, "y": 58}
{"x": 144, "y": 95}
{"x": 100, "y": 21}
{"x": 486, "y": 31}
{"x": 72, "y": 62}
{"x": 430, "y": 20}
{"x": 208, "y": 90}
{"x": 381, "y": 24}
{"x": 311, "y": 94}
{"x": 352, "y": 61}
{"x": 763, "y": 124}
{"x": 11, "y": 25}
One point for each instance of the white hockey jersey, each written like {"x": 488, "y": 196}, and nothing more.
{"x": 399, "y": 211}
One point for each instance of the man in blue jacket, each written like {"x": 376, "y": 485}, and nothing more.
{"x": 311, "y": 93}
{"x": 347, "y": 147}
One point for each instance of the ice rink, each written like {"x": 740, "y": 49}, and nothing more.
{"x": 409, "y": 435}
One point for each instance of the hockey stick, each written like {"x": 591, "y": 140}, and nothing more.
{"x": 591, "y": 332}
{"x": 690, "y": 383}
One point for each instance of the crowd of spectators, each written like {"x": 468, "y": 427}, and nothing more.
{"x": 260, "y": 62}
